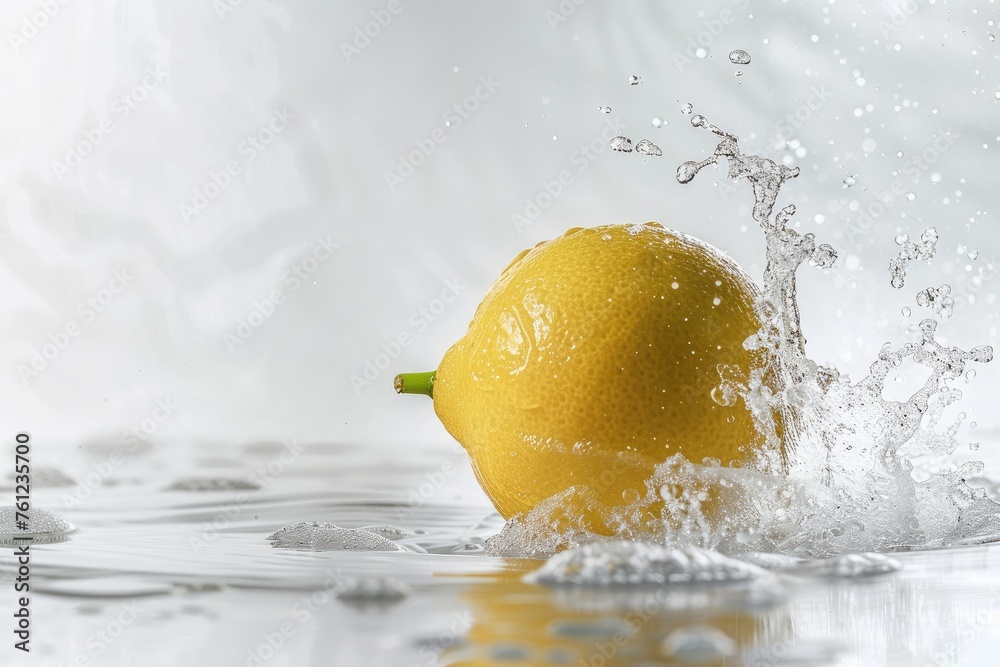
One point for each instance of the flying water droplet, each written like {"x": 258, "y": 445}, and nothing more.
{"x": 850, "y": 181}
{"x": 658, "y": 122}
{"x": 739, "y": 57}
{"x": 687, "y": 171}
{"x": 634, "y": 80}
{"x": 647, "y": 147}
{"x": 974, "y": 446}
{"x": 687, "y": 109}
{"x": 604, "y": 109}
{"x": 621, "y": 144}
{"x": 724, "y": 396}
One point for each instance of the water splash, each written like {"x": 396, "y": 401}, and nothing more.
{"x": 925, "y": 249}
{"x": 937, "y": 299}
{"x": 838, "y": 470}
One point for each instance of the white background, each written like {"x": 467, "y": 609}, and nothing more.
{"x": 224, "y": 72}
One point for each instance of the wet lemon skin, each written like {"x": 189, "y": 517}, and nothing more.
{"x": 592, "y": 359}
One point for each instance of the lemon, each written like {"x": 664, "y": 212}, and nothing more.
{"x": 592, "y": 359}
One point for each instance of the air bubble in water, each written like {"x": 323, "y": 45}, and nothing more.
{"x": 906, "y": 311}
{"x": 621, "y": 144}
{"x": 739, "y": 57}
{"x": 634, "y": 80}
{"x": 647, "y": 147}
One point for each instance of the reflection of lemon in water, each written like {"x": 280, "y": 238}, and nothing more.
{"x": 592, "y": 359}
{"x": 516, "y": 623}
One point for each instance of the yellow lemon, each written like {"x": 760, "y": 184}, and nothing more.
{"x": 592, "y": 359}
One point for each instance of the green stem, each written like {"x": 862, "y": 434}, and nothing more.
{"x": 415, "y": 383}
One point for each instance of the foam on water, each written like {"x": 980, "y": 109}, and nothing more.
{"x": 618, "y": 563}
{"x": 323, "y": 536}
{"x": 43, "y": 526}
{"x": 837, "y": 472}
